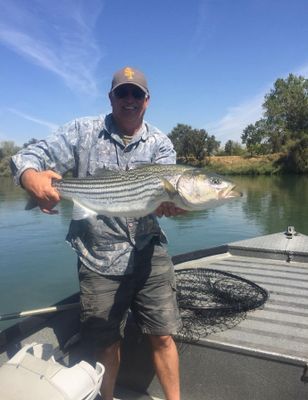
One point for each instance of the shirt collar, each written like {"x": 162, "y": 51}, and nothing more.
{"x": 114, "y": 132}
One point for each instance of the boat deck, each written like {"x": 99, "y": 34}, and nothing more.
{"x": 263, "y": 357}
{"x": 280, "y": 328}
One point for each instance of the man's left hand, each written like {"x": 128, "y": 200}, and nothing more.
{"x": 169, "y": 209}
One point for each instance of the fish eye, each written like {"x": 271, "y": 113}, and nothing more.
{"x": 215, "y": 180}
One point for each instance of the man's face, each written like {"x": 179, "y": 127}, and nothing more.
{"x": 129, "y": 104}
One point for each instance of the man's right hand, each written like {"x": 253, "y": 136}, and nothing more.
{"x": 39, "y": 186}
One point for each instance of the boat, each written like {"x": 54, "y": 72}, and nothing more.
{"x": 263, "y": 356}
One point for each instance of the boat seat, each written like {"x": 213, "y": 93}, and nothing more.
{"x": 28, "y": 376}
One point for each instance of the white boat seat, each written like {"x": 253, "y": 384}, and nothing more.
{"x": 27, "y": 376}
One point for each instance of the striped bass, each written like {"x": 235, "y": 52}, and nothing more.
{"x": 139, "y": 191}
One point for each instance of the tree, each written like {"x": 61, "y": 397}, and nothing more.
{"x": 298, "y": 156}
{"x": 212, "y": 146}
{"x": 233, "y": 148}
{"x": 177, "y": 136}
{"x": 287, "y": 105}
{"x": 286, "y": 112}
{"x": 7, "y": 149}
{"x": 192, "y": 143}
{"x": 285, "y": 119}
{"x": 255, "y": 137}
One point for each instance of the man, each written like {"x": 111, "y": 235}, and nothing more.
{"x": 123, "y": 263}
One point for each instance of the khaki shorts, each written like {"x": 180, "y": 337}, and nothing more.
{"x": 149, "y": 293}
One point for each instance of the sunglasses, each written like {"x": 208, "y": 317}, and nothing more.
{"x": 122, "y": 92}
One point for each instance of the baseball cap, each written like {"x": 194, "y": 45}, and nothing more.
{"x": 129, "y": 75}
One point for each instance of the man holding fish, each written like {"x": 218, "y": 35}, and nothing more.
{"x": 123, "y": 263}
{"x": 117, "y": 193}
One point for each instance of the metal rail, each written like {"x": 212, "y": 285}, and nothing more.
{"x": 39, "y": 311}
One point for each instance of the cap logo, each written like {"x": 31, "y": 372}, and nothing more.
{"x": 129, "y": 73}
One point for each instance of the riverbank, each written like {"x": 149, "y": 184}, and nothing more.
{"x": 270, "y": 164}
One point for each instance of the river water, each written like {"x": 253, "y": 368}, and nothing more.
{"x": 37, "y": 267}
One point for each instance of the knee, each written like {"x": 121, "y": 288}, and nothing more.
{"x": 110, "y": 350}
{"x": 161, "y": 342}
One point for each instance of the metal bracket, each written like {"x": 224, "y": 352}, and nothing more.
{"x": 304, "y": 377}
{"x": 290, "y": 256}
{"x": 290, "y": 232}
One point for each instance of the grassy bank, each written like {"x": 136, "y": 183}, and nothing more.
{"x": 237, "y": 165}
{"x": 242, "y": 165}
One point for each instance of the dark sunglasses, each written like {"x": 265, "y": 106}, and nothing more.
{"x": 122, "y": 92}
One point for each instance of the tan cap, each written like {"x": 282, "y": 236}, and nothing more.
{"x": 129, "y": 75}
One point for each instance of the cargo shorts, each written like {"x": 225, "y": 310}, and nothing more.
{"x": 149, "y": 294}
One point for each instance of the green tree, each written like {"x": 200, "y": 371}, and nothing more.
{"x": 233, "y": 149}
{"x": 189, "y": 142}
{"x": 177, "y": 137}
{"x": 286, "y": 106}
{"x": 192, "y": 143}
{"x": 255, "y": 137}
{"x": 7, "y": 149}
{"x": 212, "y": 146}
{"x": 285, "y": 119}
{"x": 298, "y": 156}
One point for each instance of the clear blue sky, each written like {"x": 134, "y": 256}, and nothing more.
{"x": 209, "y": 63}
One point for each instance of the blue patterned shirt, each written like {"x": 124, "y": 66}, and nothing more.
{"x": 85, "y": 146}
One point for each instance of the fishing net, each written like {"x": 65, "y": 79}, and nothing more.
{"x": 211, "y": 301}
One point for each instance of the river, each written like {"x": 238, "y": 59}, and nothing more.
{"x": 37, "y": 267}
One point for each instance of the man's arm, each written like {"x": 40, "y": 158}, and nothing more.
{"x": 34, "y": 167}
{"x": 54, "y": 153}
{"x": 168, "y": 209}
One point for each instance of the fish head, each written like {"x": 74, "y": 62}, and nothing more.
{"x": 199, "y": 190}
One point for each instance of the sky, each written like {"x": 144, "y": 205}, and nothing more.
{"x": 209, "y": 63}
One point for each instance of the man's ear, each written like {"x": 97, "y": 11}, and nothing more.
{"x": 111, "y": 97}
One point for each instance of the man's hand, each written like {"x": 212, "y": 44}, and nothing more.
{"x": 168, "y": 209}
{"x": 39, "y": 186}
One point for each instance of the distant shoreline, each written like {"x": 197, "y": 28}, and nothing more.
{"x": 270, "y": 164}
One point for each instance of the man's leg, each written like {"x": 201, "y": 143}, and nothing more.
{"x": 156, "y": 312}
{"x": 166, "y": 363}
{"x": 104, "y": 305}
{"x": 110, "y": 358}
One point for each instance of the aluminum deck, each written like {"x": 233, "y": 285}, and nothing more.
{"x": 265, "y": 356}
{"x": 280, "y": 328}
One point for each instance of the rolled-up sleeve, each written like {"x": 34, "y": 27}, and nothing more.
{"x": 55, "y": 153}
{"x": 165, "y": 153}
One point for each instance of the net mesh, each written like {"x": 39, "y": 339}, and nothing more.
{"x": 211, "y": 301}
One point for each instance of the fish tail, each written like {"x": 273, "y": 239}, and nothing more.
{"x": 32, "y": 203}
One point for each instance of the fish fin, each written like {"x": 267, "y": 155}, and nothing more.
{"x": 170, "y": 189}
{"x": 82, "y": 212}
{"x": 140, "y": 166}
{"x": 32, "y": 203}
{"x": 103, "y": 172}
